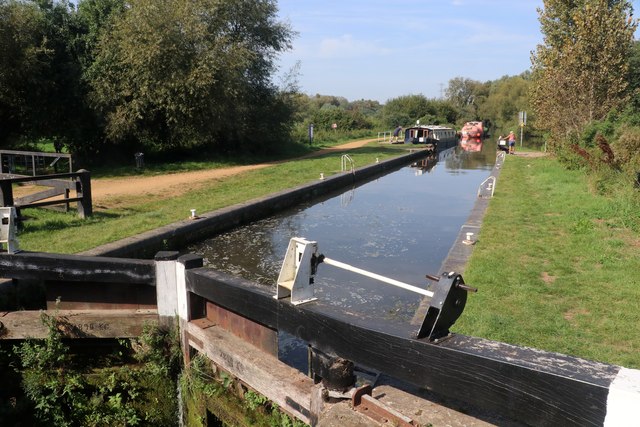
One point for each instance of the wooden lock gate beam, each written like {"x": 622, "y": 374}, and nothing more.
{"x": 532, "y": 386}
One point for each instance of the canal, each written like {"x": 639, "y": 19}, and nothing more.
{"x": 400, "y": 225}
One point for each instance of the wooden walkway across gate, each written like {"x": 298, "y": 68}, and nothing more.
{"x": 234, "y": 323}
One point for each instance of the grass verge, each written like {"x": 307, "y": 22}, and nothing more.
{"x": 65, "y": 233}
{"x": 556, "y": 266}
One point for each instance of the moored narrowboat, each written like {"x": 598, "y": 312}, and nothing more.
{"x": 430, "y": 135}
{"x": 473, "y": 129}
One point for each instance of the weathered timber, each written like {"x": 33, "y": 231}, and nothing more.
{"x": 284, "y": 385}
{"x": 47, "y": 202}
{"x": 77, "y": 324}
{"x": 55, "y": 183}
{"x": 528, "y": 385}
{"x": 17, "y": 179}
{"x": 40, "y": 195}
{"x": 76, "y": 268}
{"x": 99, "y": 296}
{"x": 81, "y": 184}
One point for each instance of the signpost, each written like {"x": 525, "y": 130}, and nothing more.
{"x": 310, "y": 133}
{"x": 522, "y": 118}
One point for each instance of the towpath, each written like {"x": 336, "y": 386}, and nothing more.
{"x": 112, "y": 192}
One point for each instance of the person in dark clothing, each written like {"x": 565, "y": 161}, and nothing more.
{"x": 396, "y": 133}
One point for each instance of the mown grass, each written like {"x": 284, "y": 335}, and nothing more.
{"x": 557, "y": 266}
{"x": 65, "y": 233}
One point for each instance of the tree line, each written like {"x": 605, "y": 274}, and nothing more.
{"x": 160, "y": 75}
{"x": 108, "y": 78}
{"x": 113, "y": 77}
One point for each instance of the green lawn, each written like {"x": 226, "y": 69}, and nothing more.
{"x": 556, "y": 266}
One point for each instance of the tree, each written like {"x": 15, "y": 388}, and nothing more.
{"x": 466, "y": 95}
{"x": 634, "y": 73}
{"x": 580, "y": 72}
{"x": 40, "y": 90}
{"x": 506, "y": 98}
{"x": 405, "y": 110}
{"x": 174, "y": 74}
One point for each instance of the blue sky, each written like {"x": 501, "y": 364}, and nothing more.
{"x": 382, "y": 49}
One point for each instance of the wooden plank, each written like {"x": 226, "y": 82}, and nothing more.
{"x": 528, "y": 385}
{"x": 36, "y": 179}
{"x": 284, "y": 385}
{"x": 100, "y": 296}
{"x": 77, "y": 324}
{"x": 60, "y": 267}
{"x": 40, "y": 195}
{"x": 49, "y": 203}
{"x": 55, "y": 183}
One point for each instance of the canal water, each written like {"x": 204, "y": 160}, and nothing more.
{"x": 400, "y": 225}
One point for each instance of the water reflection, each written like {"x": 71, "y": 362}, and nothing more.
{"x": 400, "y": 226}
{"x": 471, "y": 144}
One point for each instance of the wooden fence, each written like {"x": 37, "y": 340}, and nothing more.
{"x": 61, "y": 184}
{"x": 32, "y": 163}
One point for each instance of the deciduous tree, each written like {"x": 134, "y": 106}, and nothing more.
{"x": 580, "y": 72}
{"x": 173, "y": 74}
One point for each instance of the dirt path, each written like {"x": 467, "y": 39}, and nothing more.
{"x": 112, "y": 192}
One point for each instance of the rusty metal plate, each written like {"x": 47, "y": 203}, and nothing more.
{"x": 264, "y": 338}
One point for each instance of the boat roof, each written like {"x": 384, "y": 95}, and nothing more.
{"x": 429, "y": 127}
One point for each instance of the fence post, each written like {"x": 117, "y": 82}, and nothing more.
{"x": 83, "y": 190}
{"x": 6, "y": 192}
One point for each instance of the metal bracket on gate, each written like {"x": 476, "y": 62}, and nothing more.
{"x": 446, "y": 305}
{"x": 301, "y": 262}
{"x": 296, "y": 276}
{"x": 363, "y": 402}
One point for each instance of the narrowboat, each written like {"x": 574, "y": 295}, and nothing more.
{"x": 430, "y": 135}
{"x": 472, "y": 130}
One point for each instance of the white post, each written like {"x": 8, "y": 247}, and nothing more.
{"x": 9, "y": 229}
{"x": 166, "y": 291}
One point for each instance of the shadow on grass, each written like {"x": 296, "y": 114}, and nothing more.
{"x": 33, "y": 224}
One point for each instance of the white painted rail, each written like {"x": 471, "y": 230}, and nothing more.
{"x": 375, "y": 276}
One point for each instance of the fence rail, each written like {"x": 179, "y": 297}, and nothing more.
{"x": 62, "y": 184}
{"x": 33, "y": 161}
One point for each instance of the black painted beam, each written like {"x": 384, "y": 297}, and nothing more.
{"x": 528, "y": 385}
{"x": 76, "y": 268}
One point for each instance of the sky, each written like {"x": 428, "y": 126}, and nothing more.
{"x": 383, "y": 49}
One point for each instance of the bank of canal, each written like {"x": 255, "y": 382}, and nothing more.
{"x": 401, "y": 225}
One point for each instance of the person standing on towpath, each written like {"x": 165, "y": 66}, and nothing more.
{"x": 396, "y": 133}
{"x": 512, "y": 142}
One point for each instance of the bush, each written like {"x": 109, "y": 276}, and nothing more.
{"x": 627, "y": 149}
